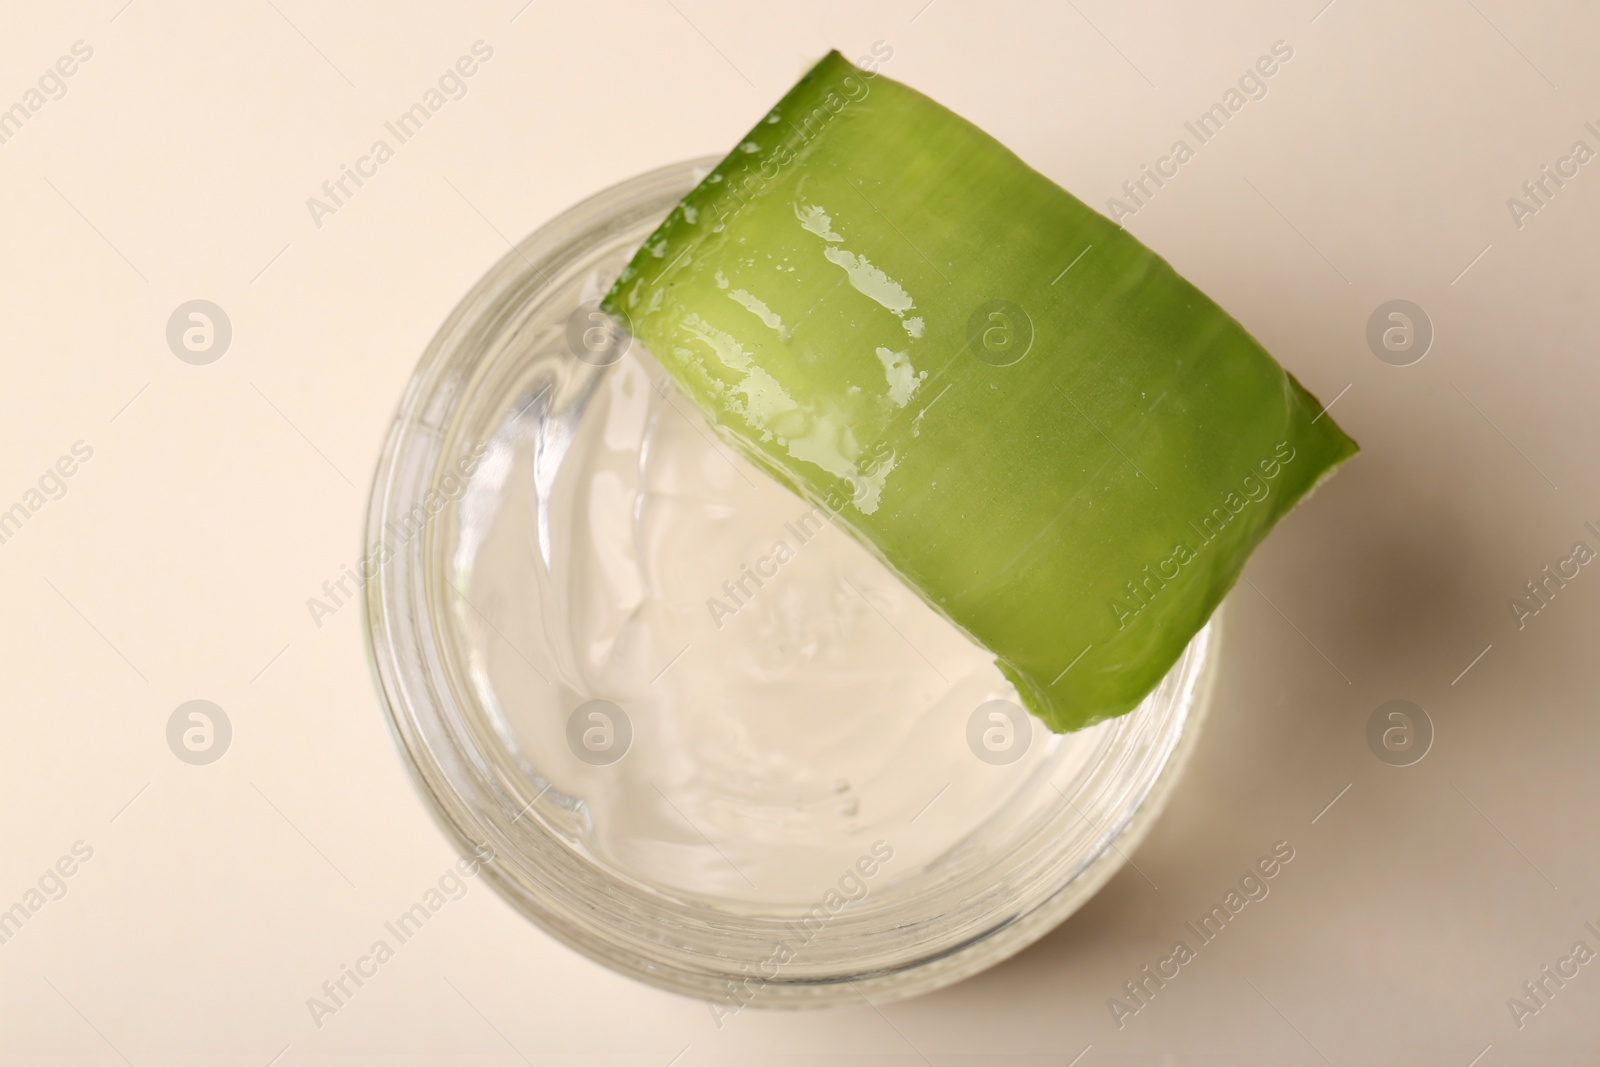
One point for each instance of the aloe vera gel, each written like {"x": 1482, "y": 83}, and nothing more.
{"x": 1053, "y": 439}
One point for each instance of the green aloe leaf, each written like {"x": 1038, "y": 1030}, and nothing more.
{"x": 1063, "y": 446}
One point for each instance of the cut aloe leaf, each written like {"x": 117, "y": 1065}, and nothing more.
{"x": 1063, "y": 446}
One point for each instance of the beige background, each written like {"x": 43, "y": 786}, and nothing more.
{"x": 220, "y": 497}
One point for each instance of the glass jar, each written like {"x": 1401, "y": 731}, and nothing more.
{"x": 827, "y": 793}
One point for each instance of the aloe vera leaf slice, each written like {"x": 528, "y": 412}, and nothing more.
{"x": 870, "y": 297}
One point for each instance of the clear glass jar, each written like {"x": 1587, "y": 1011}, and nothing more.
{"x": 758, "y": 818}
